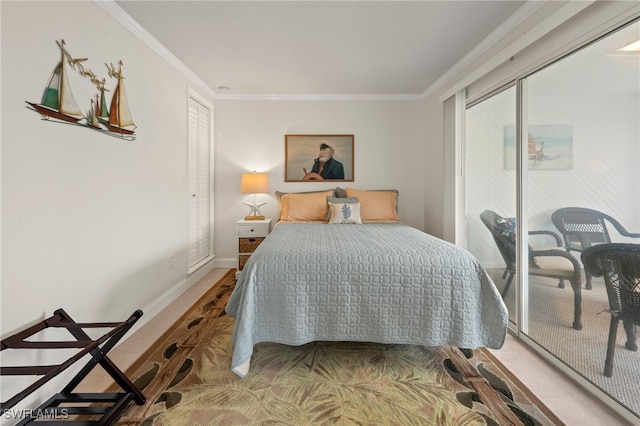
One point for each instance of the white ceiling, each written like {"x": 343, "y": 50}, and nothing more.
{"x": 320, "y": 47}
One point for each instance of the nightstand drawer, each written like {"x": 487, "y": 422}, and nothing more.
{"x": 242, "y": 260}
{"x": 257, "y": 230}
{"x": 248, "y": 245}
{"x": 251, "y": 233}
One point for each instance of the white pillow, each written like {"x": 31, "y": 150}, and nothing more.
{"x": 344, "y": 213}
{"x": 337, "y": 200}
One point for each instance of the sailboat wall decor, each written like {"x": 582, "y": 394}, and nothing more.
{"x": 59, "y": 105}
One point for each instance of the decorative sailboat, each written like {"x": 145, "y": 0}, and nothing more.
{"x": 92, "y": 118}
{"x": 101, "y": 110}
{"x": 120, "y": 120}
{"x": 58, "y": 101}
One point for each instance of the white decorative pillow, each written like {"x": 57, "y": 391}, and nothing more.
{"x": 344, "y": 213}
{"x": 336, "y": 200}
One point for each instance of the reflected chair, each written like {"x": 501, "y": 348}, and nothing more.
{"x": 619, "y": 263}
{"x": 535, "y": 151}
{"x": 582, "y": 228}
{"x": 543, "y": 262}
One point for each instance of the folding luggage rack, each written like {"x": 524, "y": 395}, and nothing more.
{"x": 67, "y": 407}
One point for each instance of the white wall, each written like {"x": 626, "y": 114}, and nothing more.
{"x": 434, "y": 169}
{"x": 89, "y": 221}
{"x": 390, "y": 150}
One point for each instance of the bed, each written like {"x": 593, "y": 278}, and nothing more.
{"x": 369, "y": 278}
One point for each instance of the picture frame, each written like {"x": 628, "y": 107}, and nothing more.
{"x": 302, "y": 162}
{"x": 549, "y": 147}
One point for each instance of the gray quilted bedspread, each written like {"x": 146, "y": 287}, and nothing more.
{"x": 385, "y": 283}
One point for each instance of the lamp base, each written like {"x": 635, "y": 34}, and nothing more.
{"x": 254, "y": 213}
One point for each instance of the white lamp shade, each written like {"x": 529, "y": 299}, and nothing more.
{"x": 254, "y": 183}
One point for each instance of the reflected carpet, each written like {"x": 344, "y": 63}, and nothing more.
{"x": 187, "y": 381}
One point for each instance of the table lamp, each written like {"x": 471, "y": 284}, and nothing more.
{"x": 254, "y": 183}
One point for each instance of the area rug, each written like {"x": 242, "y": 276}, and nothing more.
{"x": 187, "y": 381}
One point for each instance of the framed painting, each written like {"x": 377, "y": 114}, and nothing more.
{"x": 549, "y": 147}
{"x": 317, "y": 158}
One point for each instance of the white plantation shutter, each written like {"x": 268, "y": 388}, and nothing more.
{"x": 200, "y": 186}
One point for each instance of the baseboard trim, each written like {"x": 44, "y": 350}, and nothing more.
{"x": 225, "y": 262}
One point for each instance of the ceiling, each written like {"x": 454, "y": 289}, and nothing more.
{"x": 320, "y": 47}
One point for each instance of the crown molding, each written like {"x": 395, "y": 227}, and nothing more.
{"x": 133, "y": 26}
{"x": 319, "y": 97}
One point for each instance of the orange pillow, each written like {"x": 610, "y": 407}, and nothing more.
{"x": 311, "y": 207}
{"x": 376, "y": 206}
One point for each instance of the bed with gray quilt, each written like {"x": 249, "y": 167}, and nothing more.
{"x": 374, "y": 282}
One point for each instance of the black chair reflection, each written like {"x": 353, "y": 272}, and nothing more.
{"x": 543, "y": 262}
{"x": 619, "y": 263}
{"x": 582, "y": 228}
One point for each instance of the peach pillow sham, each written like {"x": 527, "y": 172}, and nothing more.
{"x": 305, "y": 207}
{"x": 376, "y": 206}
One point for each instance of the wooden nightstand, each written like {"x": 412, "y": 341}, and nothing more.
{"x": 250, "y": 234}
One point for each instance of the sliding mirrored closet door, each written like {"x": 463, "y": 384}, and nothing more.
{"x": 578, "y": 135}
{"x": 583, "y": 152}
{"x": 490, "y": 158}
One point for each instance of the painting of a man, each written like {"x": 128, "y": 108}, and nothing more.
{"x": 318, "y": 158}
{"x": 325, "y": 165}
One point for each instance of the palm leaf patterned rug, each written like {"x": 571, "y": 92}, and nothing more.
{"x": 188, "y": 381}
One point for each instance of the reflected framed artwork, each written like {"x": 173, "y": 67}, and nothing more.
{"x": 549, "y": 147}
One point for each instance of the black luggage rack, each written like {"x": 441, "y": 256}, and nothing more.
{"x": 68, "y": 407}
